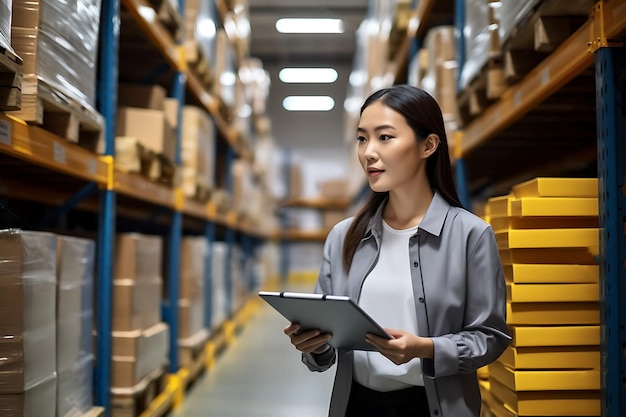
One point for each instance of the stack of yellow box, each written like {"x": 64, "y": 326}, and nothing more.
{"x": 548, "y": 237}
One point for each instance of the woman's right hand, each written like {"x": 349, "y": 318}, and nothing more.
{"x": 310, "y": 341}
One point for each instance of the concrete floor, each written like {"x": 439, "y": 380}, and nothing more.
{"x": 259, "y": 375}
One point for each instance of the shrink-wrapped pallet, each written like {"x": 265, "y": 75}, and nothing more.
{"x": 197, "y": 152}
{"x": 219, "y": 304}
{"x": 28, "y": 375}
{"x": 481, "y": 39}
{"x": 58, "y": 41}
{"x": 5, "y": 24}
{"x": 75, "y": 310}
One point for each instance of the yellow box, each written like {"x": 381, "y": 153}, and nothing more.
{"x": 556, "y": 336}
{"x": 504, "y": 223}
{"x": 557, "y": 187}
{"x": 548, "y": 238}
{"x": 584, "y": 380}
{"x": 546, "y": 273}
{"x": 552, "y": 293}
{"x": 554, "y": 206}
{"x": 581, "y": 256}
{"x": 547, "y": 403}
{"x": 499, "y": 206}
{"x": 552, "y": 357}
{"x": 552, "y": 314}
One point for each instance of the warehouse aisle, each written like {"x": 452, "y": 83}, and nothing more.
{"x": 259, "y": 375}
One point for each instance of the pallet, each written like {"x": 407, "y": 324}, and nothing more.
{"x": 131, "y": 402}
{"x": 11, "y": 74}
{"x": 94, "y": 412}
{"x": 170, "y": 18}
{"x": 539, "y": 32}
{"x": 58, "y": 113}
{"x": 481, "y": 92}
{"x": 133, "y": 157}
{"x": 191, "y": 350}
{"x": 198, "y": 64}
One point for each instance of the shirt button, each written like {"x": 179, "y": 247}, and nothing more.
{"x": 421, "y": 299}
{"x": 436, "y": 412}
{"x": 415, "y": 264}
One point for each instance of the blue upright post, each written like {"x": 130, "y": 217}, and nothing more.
{"x": 107, "y": 100}
{"x": 230, "y": 234}
{"x": 175, "y": 237}
{"x": 461, "y": 182}
{"x": 609, "y": 63}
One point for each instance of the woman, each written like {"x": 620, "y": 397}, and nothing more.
{"x": 419, "y": 264}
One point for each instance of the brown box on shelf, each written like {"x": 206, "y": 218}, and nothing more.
{"x": 197, "y": 150}
{"x": 137, "y": 354}
{"x": 138, "y": 257}
{"x": 141, "y": 96}
{"x": 136, "y": 305}
{"x": 150, "y": 127}
{"x": 191, "y": 317}
{"x": 334, "y": 188}
{"x": 332, "y": 217}
{"x": 194, "y": 252}
{"x": 171, "y": 111}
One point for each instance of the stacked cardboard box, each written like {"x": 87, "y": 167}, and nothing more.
{"x": 219, "y": 303}
{"x": 197, "y": 153}
{"x": 28, "y": 379}
{"x": 75, "y": 266}
{"x": 140, "y": 341}
{"x": 548, "y": 236}
{"x": 192, "y": 333}
{"x": 145, "y": 138}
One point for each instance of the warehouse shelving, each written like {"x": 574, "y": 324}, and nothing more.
{"x": 84, "y": 180}
{"x": 565, "y": 117}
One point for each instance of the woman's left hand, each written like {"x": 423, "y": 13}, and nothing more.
{"x": 402, "y": 347}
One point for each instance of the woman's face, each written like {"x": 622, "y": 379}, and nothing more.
{"x": 388, "y": 151}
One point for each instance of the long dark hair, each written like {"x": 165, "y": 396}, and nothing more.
{"x": 423, "y": 115}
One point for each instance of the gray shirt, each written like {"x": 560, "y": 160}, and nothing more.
{"x": 460, "y": 296}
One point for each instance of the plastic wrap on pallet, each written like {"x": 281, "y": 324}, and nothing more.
{"x": 510, "y": 13}
{"x": 477, "y": 39}
{"x": 74, "y": 388}
{"x": 218, "y": 284}
{"x": 5, "y": 24}
{"x": 37, "y": 401}
{"x": 75, "y": 272}
{"x": 27, "y": 310}
{"x": 194, "y": 257}
{"x": 58, "y": 41}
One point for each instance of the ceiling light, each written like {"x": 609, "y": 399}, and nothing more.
{"x": 308, "y": 75}
{"x": 292, "y": 25}
{"x": 308, "y": 103}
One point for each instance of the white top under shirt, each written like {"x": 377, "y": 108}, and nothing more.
{"x": 387, "y": 296}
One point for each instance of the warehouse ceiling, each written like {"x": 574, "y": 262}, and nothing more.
{"x": 325, "y": 49}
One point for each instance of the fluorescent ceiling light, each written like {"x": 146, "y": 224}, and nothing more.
{"x": 308, "y": 75}
{"x": 308, "y": 103}
{"x": 293, "y": 25}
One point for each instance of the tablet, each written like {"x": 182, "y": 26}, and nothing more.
{"x": 334, "y": 314}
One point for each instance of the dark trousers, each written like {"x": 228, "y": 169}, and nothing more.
{"x": 366, "y": 402}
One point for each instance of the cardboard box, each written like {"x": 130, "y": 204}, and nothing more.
{"x": 74, "y": 388}
{"x": 193, "y": 262}
{"x": 136, "y": 304}
{"x": 37, "y": 401}
{"x": 142, "y": 353}
{"x": 197, "y": 150}
{"x": 332, "y": 217}
{"x": 334, "y": 188}
{"x": 191, "y": 317}
{"x": 171, "y": 111}
{"x": 138, "y": 257}
{"x": 150, "y": 127}
{"x": 141, "y": 96}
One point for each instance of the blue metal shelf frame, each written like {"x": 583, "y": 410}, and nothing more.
{"x": 611, "y": 125}
{"x": 175, "y": 238}
{"x": 107, "y": 102}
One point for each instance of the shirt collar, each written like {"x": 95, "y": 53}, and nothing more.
{"x": 432, "y": 222}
